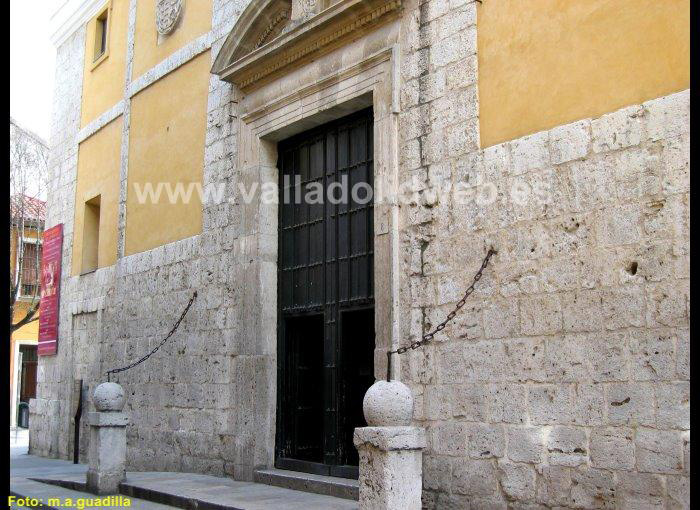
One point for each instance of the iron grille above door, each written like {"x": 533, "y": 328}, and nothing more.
{"x": 325, "y": 294}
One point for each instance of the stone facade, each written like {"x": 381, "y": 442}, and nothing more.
{"x": 563, "y": 383}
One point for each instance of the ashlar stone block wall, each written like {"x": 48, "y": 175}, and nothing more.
{"x": 564, "y": 383}
{"x": 565, "y": 380}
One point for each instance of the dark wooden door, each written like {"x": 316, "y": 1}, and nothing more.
{"x": 325, "y": 294}
{"x": 28, "y": 373}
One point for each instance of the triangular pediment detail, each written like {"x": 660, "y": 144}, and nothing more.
{"x": 261, "y": 22}
{"x": 266, "y": 42}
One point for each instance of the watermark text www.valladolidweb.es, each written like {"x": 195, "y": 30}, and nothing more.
{"x": 341, "y": 191}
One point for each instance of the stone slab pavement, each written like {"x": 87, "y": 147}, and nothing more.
{"x": 165, "y": 490}
{"x": 19, "y": 440}
{"x": 25, "y": 490}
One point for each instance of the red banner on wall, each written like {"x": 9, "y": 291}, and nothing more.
{"x": 50, "y": 290}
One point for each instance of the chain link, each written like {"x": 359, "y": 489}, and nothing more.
{"x": 427, "y": 338}
{"x": 162, "y": 342}
{"x": 450, "y": 316}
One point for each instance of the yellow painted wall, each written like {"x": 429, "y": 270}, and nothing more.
{"x": 544, "y": 63}
{"x": 29, "y": 331}
{"x": 103, "y": 85}
{"x": 166, "y": 144}
{"x": 98, "y": 174}
{"x": 195, "y": 20}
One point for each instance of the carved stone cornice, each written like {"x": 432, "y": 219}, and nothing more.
{"x": 273, "y": 28}
{"x": 318, "y": 35}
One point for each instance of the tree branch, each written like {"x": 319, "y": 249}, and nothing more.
{"x": 27, "y": 318}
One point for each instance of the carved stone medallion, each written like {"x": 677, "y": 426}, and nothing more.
{"x": 167, "y": 15}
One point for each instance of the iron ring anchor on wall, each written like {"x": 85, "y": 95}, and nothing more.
{"x": 429, "y": 336}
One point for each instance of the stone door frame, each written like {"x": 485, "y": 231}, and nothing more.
{"x": 263, "y": 119}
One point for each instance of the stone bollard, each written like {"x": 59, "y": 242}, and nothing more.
{"x": 107, "y": 453}
{"x": 391, "y": 451}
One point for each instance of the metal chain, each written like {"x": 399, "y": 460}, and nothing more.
{"x": 429, "y": 336}
{"x": 172, "y": 331}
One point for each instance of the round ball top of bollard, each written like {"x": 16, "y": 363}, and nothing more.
{"x": 388, "y": 404}
{"x": 108, "y": 396}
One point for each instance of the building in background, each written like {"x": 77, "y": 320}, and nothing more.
{"x": 28, "y": 171}
{"x": 26, "y": 228}
{"x": 564, "y": 381}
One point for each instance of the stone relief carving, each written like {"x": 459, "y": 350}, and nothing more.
{"x": 304, "y": 9}
{"x": 167, "y": 15}
{"x": 264, "y": 69}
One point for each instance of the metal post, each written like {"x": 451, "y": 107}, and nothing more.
{"x": 76, "y": 421}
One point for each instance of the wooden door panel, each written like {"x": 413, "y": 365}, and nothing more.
{"x": 325, "y": 273}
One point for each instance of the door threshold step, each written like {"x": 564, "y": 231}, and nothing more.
{"x": 345, "y": 488}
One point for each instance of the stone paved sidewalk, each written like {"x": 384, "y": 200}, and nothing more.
{"x": 173, "y": 489}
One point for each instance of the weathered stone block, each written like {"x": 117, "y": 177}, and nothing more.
{"x": 668, "y": 116}
{"x": 469, "y": 401}
{"x": 566, "y": 360}
{"x": 526, "y": 444}
{"x": 617, "y": 130}
{"x": 581, "y": 310}
{"x": 437, "y": 472}
{"x": 588, "y": 406}
{"x": 623, "y": 307}
{"x": 668, "y": 303}
{"x": 484, "y": 360}
{"x": 549, "y": 404}
{"x": 501, "y": 318}
{"x": 659, "y": 451}
{"x": 639, "y": 490}
{"x": 438, "y": 400}
{"x": 462, "y": 73}
{"x": 517, "y": 480}
{"x": 530, "y": 152}
{"x": 524, "y": 360}
{"x": 485, "y": 440}
{"x": 629, "y": 404}
{"x": 553, "y": 485}
{"x": 474, "y": 477}
{"x": 507, "y": 403}
{"x": 592, "y": 488}
{"x": 540, "y": 315}
{"x": 449, "y": 438}
{"x": 607, "y": 355}
{"x": 612, "y": 448}
{"x": 567, "y": 446}
{"x": 678, "y": 489}
{"x": 652, "y": 355}
{"x": 620, "y": 224}
{"x": 570, "y": 141}
{"x": 456, "y": 47}
{"x": 683, "y": 355}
